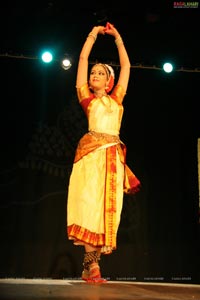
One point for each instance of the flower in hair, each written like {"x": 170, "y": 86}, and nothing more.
{"x": 111, "y": 79}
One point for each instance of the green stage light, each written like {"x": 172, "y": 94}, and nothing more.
{"x": 47, "y": 57}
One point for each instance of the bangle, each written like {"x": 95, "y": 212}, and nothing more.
{"x": 118, "y": 41}
{"x": 93, "y": 35}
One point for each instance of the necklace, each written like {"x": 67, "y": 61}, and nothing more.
{"x": 100, "y": 94}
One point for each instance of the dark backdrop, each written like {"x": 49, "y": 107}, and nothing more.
{"x": 41, "y": 123}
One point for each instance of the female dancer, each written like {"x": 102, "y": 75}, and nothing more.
{"x": 100, "y": 174}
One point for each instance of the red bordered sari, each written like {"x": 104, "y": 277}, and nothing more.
{"x": 100, "y": 175}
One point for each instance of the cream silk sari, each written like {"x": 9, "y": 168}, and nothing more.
{"x": 99, "y": 175}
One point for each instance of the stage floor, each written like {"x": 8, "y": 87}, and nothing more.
{"x": 43, "y": 289}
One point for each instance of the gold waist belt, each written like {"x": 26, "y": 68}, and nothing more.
{"x": 105, "y": 136}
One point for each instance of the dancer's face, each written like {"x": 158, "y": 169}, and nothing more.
{"x": 98, "y": 77}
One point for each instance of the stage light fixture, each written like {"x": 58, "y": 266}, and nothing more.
{"x": 47, "y": 57}
{"x": 66, "y": 63}
{"x": 168, "y": 67}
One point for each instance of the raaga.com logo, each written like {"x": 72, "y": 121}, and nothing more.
{"x": 186, "y": 4}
